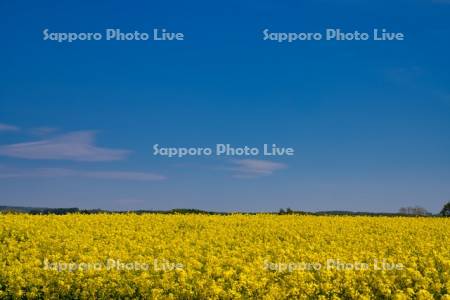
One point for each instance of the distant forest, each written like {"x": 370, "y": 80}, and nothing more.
{"x": 62, "y": 211}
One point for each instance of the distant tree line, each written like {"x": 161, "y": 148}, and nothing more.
{"x": 404, "y": 211}
{"x": 415, "y": 211}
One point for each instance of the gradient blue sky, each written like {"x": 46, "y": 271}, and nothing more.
{"x": 370, "y": 121}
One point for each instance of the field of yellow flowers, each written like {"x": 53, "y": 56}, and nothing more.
{"x": 157, "y": 256}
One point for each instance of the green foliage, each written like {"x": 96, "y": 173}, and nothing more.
{"x": 446, "y": 210}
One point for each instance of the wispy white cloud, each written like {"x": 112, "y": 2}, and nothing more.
{"x": 6, "y": 172}
{"x": 76, "y": 146}
{"x": 7, "y": 127}
{"x": 251, "y": 168}
{"x": 403, "y": 75}
{"x": 143, "y": 176}
{"x": 43, "y": 131}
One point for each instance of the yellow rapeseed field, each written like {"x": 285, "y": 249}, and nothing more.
{"x": 156, "y": 256}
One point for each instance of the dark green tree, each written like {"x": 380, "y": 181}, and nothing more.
{"x": 446, "y": 210}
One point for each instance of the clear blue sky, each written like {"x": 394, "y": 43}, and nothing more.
{"x": 369, "y": 121}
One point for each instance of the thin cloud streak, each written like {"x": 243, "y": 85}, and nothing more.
{"x": 76, "y": 146}
{"x": 43, "y": 131}
{"x": 7, "y": 173}
{"x": 252, "y": 168}
{"x": 7, "y": 127}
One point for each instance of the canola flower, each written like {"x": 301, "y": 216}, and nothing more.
{"x": 156, "y": 256}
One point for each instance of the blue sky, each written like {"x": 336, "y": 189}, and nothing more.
{"x": 369, "y": 121}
